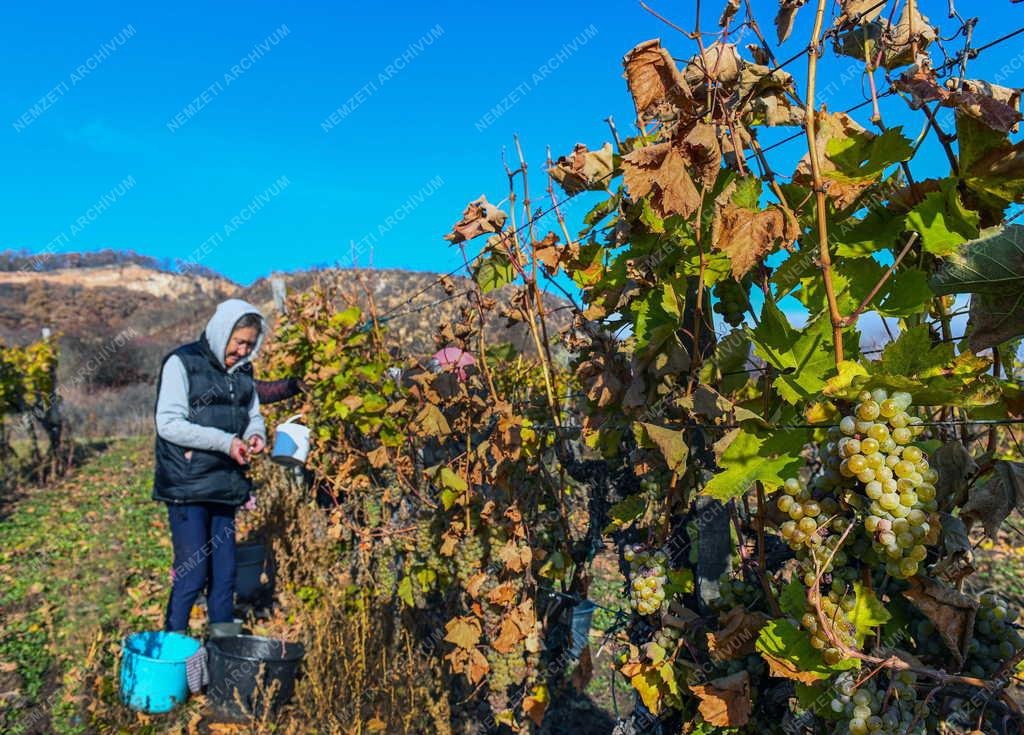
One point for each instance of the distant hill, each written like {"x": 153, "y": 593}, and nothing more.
{"x": 118, "y": 314}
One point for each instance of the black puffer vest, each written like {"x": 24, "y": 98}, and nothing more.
{"x": 216, "y": 398}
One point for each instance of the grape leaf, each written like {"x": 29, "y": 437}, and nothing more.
{"x": 913, "y": 353}
{"x": 868, "y": 611}
{"x": 860, "y": 154}
{"x": 942, "y": 220}
{"x": 788, "y": 653}
{"x": 494, "y": 271}
{"x": 752, "y": 456}
{"x": 725, "y": 702}
{"x": 670, "y": 443}
{"x": 991, "y": 268}
{"x": 993, "y": 264}
{"x": 625, "y": 512}
{"x": 793, "y": 599}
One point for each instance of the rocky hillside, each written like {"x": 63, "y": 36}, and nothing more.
{"x": 116, "y": 321}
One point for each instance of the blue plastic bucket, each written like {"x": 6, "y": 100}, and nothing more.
{"x": 153, "y": 676}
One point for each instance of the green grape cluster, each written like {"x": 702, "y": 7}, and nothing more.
{"x": 667, "y": 638}
{"x": 869, "y": 708}
{"x": 385, "y": 574}
{"x": 647, "y": 579}
{"x": 733, "y": 592}
{"x": 809, "y": 519}
{"x": 506, "y": 669}
{"x": 732, "y": 300}
{"x": 894, "y": 476}
{"x": 467, "y": 558}
{"x": 870, "y": 463}
{"x": 835, "y": 605}
{"x": 995, "y": 638}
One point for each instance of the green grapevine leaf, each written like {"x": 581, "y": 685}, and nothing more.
{"x": 770, "y": 458}
{"x": 868, "y": 611}
{"x": 788, "y": 652}
{"x": 494, "y": 271}
{"x": 405, "y": 591}
{"x": 992, "y": 265}
{"x": 992, "y": 269}
{"x": 913, "y": 353}
{"x": 942, "y": 220}
{"x": 625, "y": 512}
{"x": 862, "y": 155}
{"x": 793, "y": 599}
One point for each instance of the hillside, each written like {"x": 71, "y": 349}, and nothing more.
{"x": 116, "y": 321}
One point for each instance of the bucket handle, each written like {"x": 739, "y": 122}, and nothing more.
{"x": 293, "y": 418}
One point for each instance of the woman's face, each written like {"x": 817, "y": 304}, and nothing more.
{"x": 241, "y": 343}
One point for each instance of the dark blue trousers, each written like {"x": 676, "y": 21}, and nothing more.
{"x": 203, "y": 535}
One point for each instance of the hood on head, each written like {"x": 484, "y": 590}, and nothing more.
{"x": 222, "y": 323}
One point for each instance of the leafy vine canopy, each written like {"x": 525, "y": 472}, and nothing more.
{"x": 791, "y": 508}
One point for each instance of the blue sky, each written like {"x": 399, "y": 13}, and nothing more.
{"x": 205, "y": 131}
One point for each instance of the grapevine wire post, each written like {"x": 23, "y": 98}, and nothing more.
{"x": 819, "y": 187}
{"x": 533, "y": 301}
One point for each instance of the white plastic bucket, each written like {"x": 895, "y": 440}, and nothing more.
{"x": 291, "y": 443}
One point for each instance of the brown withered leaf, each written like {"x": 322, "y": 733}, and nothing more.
{"x": 951, "y": 612}
{"x": 584, "y": 671}
{"x": 992, "y": 501}
{"x": 758, "y": 53}
{"x": 516, "y": 558}
{"x": 660, "y": 170}
{"x": 535, "y": 708}
{"x": 502, "y": 595}
{"x": 463, "y": 632}
{"x": 748, "y": 235}
{"x": 725, "y": 702}
{"x": 475, "y": 583}
{"x": 786, "y": 16}
{"x": 767, "y": 93}
{"x": 549, "y": 253}
{"x": 913, "y": 30}
{"x": 737, "y": 635}
{"x": 378, "y": 457}
{"x": 479, "y": 218}
{"x": 655, "y": 81}
{"x": 700, "y": 146}
{"x": 996, "y": 106}
{"x": 469, "y": 661}
{"x": 720, "y": 63}
{"x": 730, "y": 10}
{"x": 583, "y": 169}
{"x": 861, "y": 11}
{"x": 955, "y": 466}
{"x": 509, "y": 636}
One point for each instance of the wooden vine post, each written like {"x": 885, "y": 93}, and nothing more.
{"x": 819, "y": 186}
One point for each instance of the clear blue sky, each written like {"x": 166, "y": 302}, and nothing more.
{"x": 96, "y": 108}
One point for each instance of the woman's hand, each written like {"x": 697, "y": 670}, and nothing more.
{"x": 239, "y": 451}
{"x": 256, "y": 444}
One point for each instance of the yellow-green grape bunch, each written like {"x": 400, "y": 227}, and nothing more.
{"x": 873, "y": 454}
{"x": 869, "y": 708}
{"x": 834, "y": 605}
{"x": 809, "y": 519}
{"x": 647, "y": 579}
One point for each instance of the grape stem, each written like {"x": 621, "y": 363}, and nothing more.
{"x": 852, "y": 318}
{"x": 890, "y": 662}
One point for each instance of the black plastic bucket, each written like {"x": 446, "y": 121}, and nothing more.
{"x": 251, "y": 564}
{"x": 251, "y": 675}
